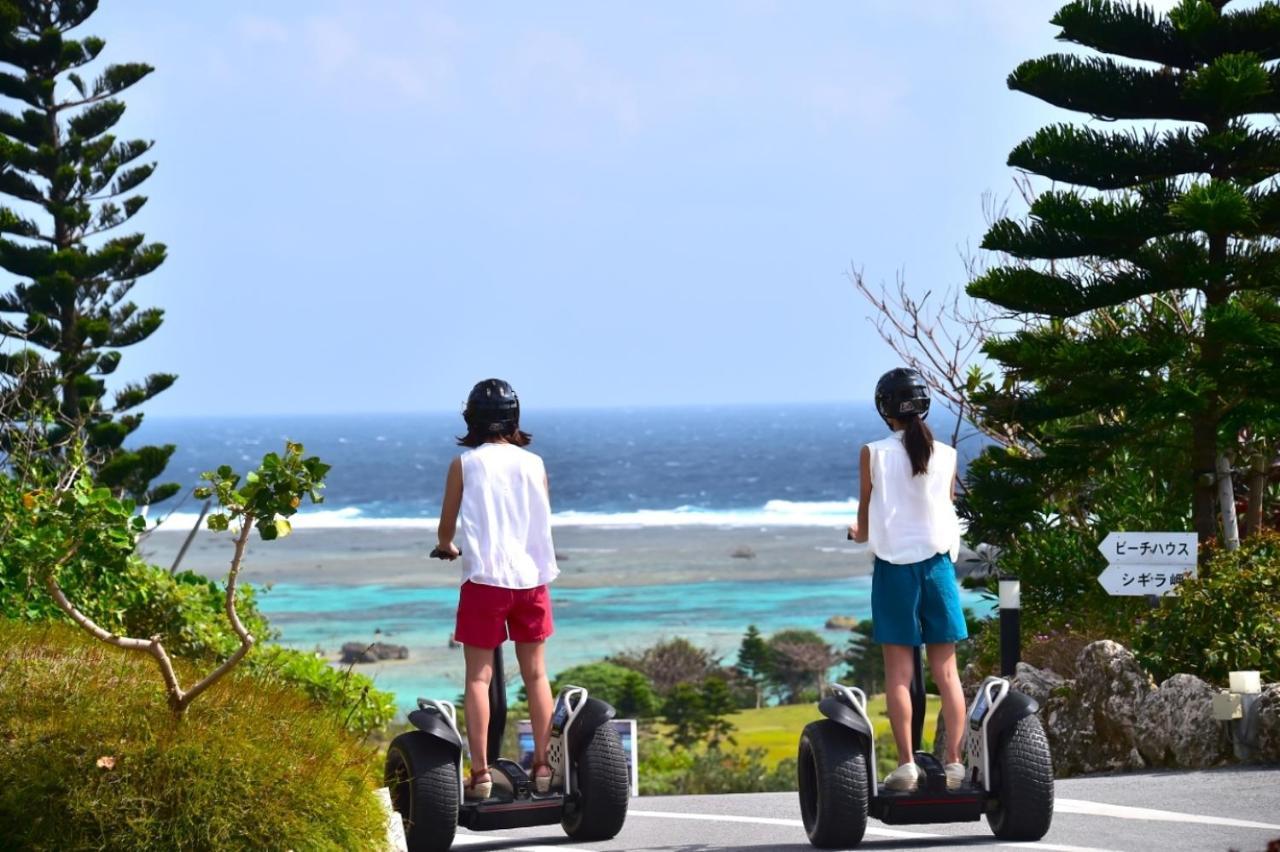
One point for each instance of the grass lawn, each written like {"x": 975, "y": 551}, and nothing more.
{"x": 777, "y": 729}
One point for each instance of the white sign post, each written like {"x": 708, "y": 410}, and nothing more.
{"x": 1147, "y": 563}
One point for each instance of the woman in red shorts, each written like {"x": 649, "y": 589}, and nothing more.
{"x": 496, "y": 504}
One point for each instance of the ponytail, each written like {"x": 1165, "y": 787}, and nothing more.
{"x": 918, "y": 440}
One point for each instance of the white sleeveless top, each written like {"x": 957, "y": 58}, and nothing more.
{"x": 911, "y": 518}
{"x": 505, "y": 521}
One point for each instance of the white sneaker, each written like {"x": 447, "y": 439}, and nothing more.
{"x": 955, "y": 775}
{"x": 904, "y": 779}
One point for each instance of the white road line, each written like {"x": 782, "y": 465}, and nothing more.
{"x": 1082, "y": 806}
{"x": 872, "y": 830}
{"x": 487, "y": 837}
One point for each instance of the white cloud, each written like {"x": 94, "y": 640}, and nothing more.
{"x": 257, "y": 29}
{"x": 552, "y": 72}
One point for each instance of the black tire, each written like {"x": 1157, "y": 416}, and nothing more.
{"x": 1025, "y": 784}
{"x": 601, "y": 788}
{"x": 422, "y": 775}
{"x": 833, "y": 785}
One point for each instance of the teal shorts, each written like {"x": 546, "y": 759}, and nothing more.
{"x": 916, "y": 604}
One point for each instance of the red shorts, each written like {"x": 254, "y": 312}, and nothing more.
{"x": 489, "y": 614}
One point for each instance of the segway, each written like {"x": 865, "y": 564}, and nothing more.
{"x": 590, "y": 787}
{"x": 1009, "y": 775}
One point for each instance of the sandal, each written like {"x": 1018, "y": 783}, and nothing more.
{"x": 478, "y": 790}
{"x": 541, "y": 781}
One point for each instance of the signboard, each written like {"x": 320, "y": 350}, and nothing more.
{"x": 1147, "y": 563}
{"x": 626, "y": 729}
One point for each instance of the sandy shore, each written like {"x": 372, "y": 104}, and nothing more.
{"x": 589, "y": 556}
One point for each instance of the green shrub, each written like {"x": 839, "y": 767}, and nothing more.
{"x": 671, "y": 770}
{"x": 350, "y": 697}
{"x": 626, "y": 689}
{"x": 93, "y": 758}
{"x": 1227, "y": 619}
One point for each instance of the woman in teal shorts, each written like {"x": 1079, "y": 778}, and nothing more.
{"x": 905, "y": 511}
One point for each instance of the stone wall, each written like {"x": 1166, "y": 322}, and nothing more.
{"x": 1112, "y": 716}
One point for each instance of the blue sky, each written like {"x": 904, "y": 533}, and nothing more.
{"x": 369, "y": 206}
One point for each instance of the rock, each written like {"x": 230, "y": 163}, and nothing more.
{"x": 743, "y": 553}
{"x": 1268, "y": 721}
{"x": 1036, "y": 683}
{"x": 841, "y": 622}
{"x": 1091, "y": 721}
{"x": 1113, "y": 685}
{"x": 359, "y": 652}
{"x": 1175, "y": 726}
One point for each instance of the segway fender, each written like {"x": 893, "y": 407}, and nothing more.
{"x": 593, "y": 714}
{"x": 840, "y": 712}
{"x": 430, "y": 722}
{"x": 1015, "y": 706}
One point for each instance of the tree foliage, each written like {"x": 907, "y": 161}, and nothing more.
{"x": 1146, "y": 280}
{"x": 670, "y": 662}
{"x": 753, "y": 662}
{"x": 626, "y": 689}
{"x": 698, "y": 713}
{"x": 72, "y": 185}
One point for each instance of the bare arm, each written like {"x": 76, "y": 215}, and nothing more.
{"x": 858, "y": 531}
{"x": 449, "y": 509}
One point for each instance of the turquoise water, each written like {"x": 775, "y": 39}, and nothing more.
{"x": 591, "y": 623}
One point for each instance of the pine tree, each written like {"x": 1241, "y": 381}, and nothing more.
{"x": 1148, "y": 282}
{"x": 73, "y": 183}
{"x": 753, "y": 661}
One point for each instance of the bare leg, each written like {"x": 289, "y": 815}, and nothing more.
{"x": 476, "y": 704}
{"x": 942, "y": 662}
{"x": 534, "y": 671}
{"x": 899, "y": 668}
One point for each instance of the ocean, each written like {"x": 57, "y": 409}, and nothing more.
{"x": 688, "y": 522}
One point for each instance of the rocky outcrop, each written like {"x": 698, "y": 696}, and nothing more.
{"x": 841, "y": 622}
{"x": 1113, "y": 717}
{"x": 1175, "y": 726}
{"x": 1090, "y": 721}
{"x": 359, "y": 652}
{"x": 1036, "y": 683}
{"x": 1268, "y": 725}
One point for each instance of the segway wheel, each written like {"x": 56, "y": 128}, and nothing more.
{"x": 833, "y": 785}
{"x": 422, "y": 775}
{"x": 1024, "y": 785}
{"x": 602, "y": 788}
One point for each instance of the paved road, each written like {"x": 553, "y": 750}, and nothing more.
{"x": 1215, "y": 810}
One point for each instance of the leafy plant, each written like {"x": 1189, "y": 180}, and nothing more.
{"x": 627, "y": 690}
{"x": 73, "y": 512}
{"x": 673, "y": 770}
{"x": 1226, "y": 619}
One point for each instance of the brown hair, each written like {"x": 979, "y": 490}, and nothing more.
{"x": 918, "y": 440}
{"x": 476, "y": 436}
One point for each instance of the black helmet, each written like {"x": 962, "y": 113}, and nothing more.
{"x": 493, "y": 407}
{"x": 902, "y": 391}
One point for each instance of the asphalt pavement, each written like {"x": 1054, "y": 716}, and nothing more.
{"x": 1224, "y": 809}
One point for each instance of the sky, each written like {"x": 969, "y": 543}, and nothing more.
{"x": 369, "y": 206}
